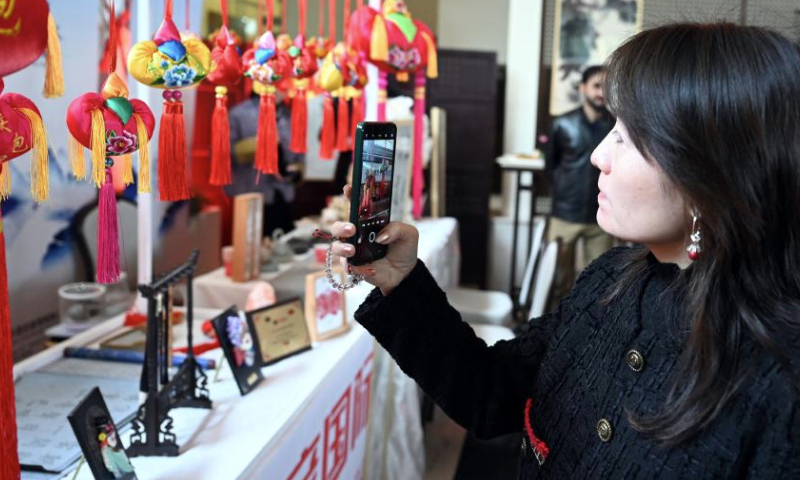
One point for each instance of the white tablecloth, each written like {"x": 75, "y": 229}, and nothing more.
{"x": 285, "y": 428}
{"x": 395, "y": 448}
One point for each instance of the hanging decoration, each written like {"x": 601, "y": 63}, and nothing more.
{"x": 226, "y": 71}
{"x": 122, "y": 43}
{"x": 323, "y": 46}
{"x": 27, "y": 29}
{"x": 266, "y": 65}
{"x": 399, "y": 45}
{"x": 343, "y": 75}
{"x": 304, "y": 66}
{"x": 171, "y": 62}
{"x": 112, "y": 127}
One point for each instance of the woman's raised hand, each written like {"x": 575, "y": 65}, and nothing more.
{"x": 400, "y": 259}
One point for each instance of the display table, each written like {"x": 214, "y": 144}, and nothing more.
{"x": 395, "y": 447}
{"x": 309, "y": 414}
{"x": 438, "y": 248}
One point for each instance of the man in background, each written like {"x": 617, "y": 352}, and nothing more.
{"x": 278, "y": 190}
{"x": 573, "y": 178}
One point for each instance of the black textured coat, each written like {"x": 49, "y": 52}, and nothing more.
{"x": 573, "y": 366}
{"x": 572, "y": 176}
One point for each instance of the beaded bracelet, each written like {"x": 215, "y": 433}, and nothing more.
{"x": 352, "y": 279}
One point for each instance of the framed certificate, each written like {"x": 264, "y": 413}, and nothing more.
{"x": 235, "y": 333}
{"x": 325, "y": 306}
{"x": 281, "y": 330}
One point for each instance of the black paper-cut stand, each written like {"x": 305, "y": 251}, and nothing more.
{"x": 152, "y": 426}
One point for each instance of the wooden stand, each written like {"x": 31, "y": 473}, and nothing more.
{"x": 152, "y": 425}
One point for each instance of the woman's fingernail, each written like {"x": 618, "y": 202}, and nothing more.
{"x": 348, "y": 248}
{"x": 371, "y": 271}
{"x": 383, "y": 238}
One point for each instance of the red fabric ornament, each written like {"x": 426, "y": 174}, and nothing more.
{"x": 226, "y": 71}
{"x": 397, "y": 44}
{"x": 171, "y": 61}
{"x": 112, "y": 127}
{"x": 267, "y": 65}
{"x": 26, "y": 30}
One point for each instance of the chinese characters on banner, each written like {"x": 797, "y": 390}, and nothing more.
{"x": 336, "y": 450}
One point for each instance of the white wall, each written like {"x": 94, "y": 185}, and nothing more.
{"x": 474, "y": 25}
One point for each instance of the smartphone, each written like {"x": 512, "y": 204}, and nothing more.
{"x": 371, "y": 199}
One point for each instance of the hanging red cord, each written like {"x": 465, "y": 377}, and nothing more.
{"x": 112, "y": 39}
{"x": 346, "y": 19}
{"x": 321, "y": 18}
{"x": 270, "y": 15}
{"x": 332, "y": 20}
{"x": 283, "y": 16}
{"x": 301, "y": 24}
{"x": 168, "y": 10}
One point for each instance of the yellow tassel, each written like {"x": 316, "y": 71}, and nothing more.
{"x": 77, "y": 158}
{"x": 40, "y": 178}
{"x": 98, "y": 143}
{"x": 127, "y": 169}
{"x": 54, "y": 73}
{"x": 5, "y": 182}
{"x": 144, "y": 155}
{"x": 433, "y": 56}
{"x": 379, "y": 42}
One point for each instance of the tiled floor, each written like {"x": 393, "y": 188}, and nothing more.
{"x": 443, "y": 442}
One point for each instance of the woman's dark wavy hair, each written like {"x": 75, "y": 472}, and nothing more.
{"x": 717, "y": 108}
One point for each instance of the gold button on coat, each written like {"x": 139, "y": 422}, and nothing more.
{"x": 635, "y": 360}
{"x": 604, "y": 430}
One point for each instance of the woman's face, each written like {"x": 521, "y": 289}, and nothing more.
{"x": 637, "y": 203}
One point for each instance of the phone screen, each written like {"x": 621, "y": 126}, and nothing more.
{"x": 375, "y": 190}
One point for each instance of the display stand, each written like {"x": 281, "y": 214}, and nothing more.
{"x": 152, "y": 426}
{"x": 519, "y": 166}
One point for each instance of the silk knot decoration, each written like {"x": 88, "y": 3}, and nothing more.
{"x": 112, "y": 127}
{"x": 267, "y": 65}
{"x": 171, "y": 62}
{"x": 397, "y": 44}
{"x": 27, "y": 29}
{"x": 226, "y": 71}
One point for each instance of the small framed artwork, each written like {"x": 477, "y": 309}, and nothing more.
{"x": 234, "y": 332}
{"x": 281, "y": 330}
{"x": 247, "y": 232}
{"x": 325, "y": 306}
{"x": 98, "y": 439}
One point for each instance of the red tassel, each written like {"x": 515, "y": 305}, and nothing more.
{"x": 356, "y": 118}
{"x": 220, "y": 142}
{"x": 328, "y": 140}
{"x": 107, "y": 234}
{"x": 343, "y": 127}
{"x": 299, "y": 122}
{"x": 383, "y": 82}
{"x": 266, "y": 160}
{"x": 417, "y": 175}
{"x": 9, "y": 465}
{"x": 172, "y": 156}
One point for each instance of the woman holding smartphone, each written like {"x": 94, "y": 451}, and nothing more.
{"x": 676, "y": 359}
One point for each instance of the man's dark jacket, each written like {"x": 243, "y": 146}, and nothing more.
{"x": 572, "y": 176}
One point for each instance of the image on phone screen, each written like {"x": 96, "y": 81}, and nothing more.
{"x": 373, "y": 179}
